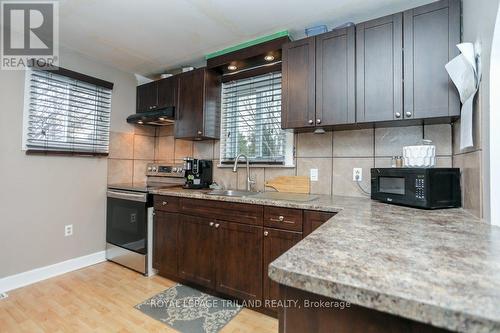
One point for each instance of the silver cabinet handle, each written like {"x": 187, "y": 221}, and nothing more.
{"x": 217, "y": 225}
{"x": 318, "y": 121}
{"x": 281, "y": 218}
{"x": 164, "y": 203}
{"x": 310, "y": 121}
{"x": 408, "y": 114}
{"x": 266, "y": 233}
{"x": 211, "y": 224}
{"x": 398, "y": 115}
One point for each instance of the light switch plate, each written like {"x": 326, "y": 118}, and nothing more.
{"x": 314, "y": 175}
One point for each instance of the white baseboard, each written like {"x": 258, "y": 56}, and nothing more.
{"x": 42, "y": 273}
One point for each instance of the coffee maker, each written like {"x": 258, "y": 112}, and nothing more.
{"x": 197, "y": 173}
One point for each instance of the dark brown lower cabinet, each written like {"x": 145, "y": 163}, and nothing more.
{"x": 196, "y": 250}
{"x": 313, "y": 219}
{"x": 276, "y": 242}
{"x": 239, "y": 260}
{"x": 165, "y": 243}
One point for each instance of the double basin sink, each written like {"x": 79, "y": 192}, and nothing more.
{"x": 265, "y": 195}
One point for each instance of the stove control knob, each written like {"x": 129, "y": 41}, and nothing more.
{"x": 150, "y": 169}
{"x": 174, "y": 169}
{"x": 154, "y": 169}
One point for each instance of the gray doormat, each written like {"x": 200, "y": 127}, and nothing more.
{"x": 189, "y": 310}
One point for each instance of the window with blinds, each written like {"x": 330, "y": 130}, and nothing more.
{"x": 65, "y": 115}
{"x": 251, "y": 120}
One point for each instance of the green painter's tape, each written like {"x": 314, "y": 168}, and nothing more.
{"x": 247, "y": 44}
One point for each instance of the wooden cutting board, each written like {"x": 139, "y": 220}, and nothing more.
{"x": 290, "y": 184}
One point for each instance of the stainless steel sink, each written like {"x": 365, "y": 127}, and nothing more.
{"x": 232, "y": 193}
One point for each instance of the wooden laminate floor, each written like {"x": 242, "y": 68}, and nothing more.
{"x": 100, "y": 298}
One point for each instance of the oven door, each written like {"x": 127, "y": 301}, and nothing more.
{"x": 126, "y": 220}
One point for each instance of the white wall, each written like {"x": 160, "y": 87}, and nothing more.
{"x": 41, "y": 194}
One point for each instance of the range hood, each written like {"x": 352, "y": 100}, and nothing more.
{"x": 160, "y": 117}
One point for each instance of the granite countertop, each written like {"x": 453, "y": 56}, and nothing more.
{"x": 439, "y": 267}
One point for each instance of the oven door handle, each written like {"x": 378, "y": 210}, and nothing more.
{"x": 141, "y": 197}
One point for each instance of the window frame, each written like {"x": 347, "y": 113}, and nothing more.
{"x": 26, "y": 112}
{"x": 288, "y": 161}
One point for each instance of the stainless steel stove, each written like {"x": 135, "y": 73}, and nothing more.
{"x": 129, "y": 219}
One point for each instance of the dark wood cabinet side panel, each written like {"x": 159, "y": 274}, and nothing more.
{"x": 212, "y": 105}
{"x": 189, "y": 112}
{"x": 335, "y": 77}
{"x": 314, "y": 219}
{"x": 239, "y": 260}
{"x": 196, "y": 250}
{"x": 298, "y": 84}
{"x": 379, "y": 69}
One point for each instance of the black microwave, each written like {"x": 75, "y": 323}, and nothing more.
{"x": 428, "y": 188}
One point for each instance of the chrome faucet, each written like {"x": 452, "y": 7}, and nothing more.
{"x": 249, "y": 180}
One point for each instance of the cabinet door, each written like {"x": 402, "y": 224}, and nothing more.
{"x": 196, "y": 250}
{"x": 147, "y": 95}
{"x": 165, "y": 243}
{"x": 431, "y": 33}
{"x": 189, "y": 112}
{"x": 276, "y": 242}
{"x": 167, "y": 92}
{"x": 379, "y": 72}
{"x": 239, "y": 260}
{"x": 313, "y": 219}
{"x": 335, "y": 77}
{"x": 298, "y": 84}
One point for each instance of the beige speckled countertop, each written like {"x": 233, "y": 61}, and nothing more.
{"x": 439, "y": 267}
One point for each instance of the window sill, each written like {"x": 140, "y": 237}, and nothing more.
{"x": 254, "y": 166}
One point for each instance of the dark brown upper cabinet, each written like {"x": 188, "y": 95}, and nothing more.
{"x": 298, "y": 84}
{"x": 335, "y": 77}
{"x": 319, "y": 80}
{"x": 431, "y": 33}
{"x": 197, "y": 114}
{"x": 157, "y": 94}
{"x": 379, "y": 69}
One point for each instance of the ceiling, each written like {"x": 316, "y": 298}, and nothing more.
{"x": 153, "y": 36}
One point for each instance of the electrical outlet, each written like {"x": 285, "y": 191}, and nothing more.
{"x": 68, "y": 230}
{"x": 357, "y": 174}
{"x": 314, "y": 175}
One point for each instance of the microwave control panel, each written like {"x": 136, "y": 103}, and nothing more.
{"x": 420, "y": 188}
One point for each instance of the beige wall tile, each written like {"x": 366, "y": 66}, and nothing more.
{"x": 145, "y": 130}
{"x": 165, "y": 148}
{"x": 324, "y": 166}
{"x": 217, "y": 149}
{"x": 166, "y": 130}
{"x": 140, "y": 171}
{"x": 120, "y": 171}
{"x": 183, "y": 148}
{"x": 444, "y": 162}
{"x": 358, "y": 143}
{"x": 257, "y": 174}
{"x": 144, "y": 147}
{"x": 390, "y": 141}
{"x": 225, "y": 177}
{"x": 314, "y": 145}
{"x": 470, "y": 168}
{"x": 203, "y": 150}
{"x": 121, "y": 145}
{"x": 440, "y": 136}
{"x": 342, "y": 176}
{"x": 383, "y": 162}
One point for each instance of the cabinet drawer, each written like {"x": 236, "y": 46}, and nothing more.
{"x": 283, "y": 218}
{"x": 166, "y": 204}
{"x": 226, "y": 211}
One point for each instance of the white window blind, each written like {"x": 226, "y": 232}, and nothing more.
{"x": 63, "y": 114}
{"x": 251, "y": 120}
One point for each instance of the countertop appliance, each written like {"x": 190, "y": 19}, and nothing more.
{"x": 197, "y": 173}
{"x": 428, "y": 188}
{"x": 129, "y": 218}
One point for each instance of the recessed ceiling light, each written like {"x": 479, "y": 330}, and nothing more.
{"x": 232, "y": 67}
{"x": 269, "y": 57}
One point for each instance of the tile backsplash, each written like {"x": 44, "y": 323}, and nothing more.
{"x": 334, "y": 154}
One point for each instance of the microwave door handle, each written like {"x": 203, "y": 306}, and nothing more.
{"x": 127, "y": 196}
